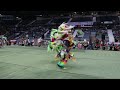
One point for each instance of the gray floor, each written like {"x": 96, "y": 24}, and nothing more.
{"x": 36, "y": 63}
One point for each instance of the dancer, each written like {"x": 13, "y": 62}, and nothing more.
{"x": 65, "y": 53}
{"x": 62, "y": 42}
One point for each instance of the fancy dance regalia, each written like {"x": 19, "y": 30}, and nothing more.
{"x": 62, "y": 42}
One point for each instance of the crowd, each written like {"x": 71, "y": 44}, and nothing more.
{"x": 36, "y": 37}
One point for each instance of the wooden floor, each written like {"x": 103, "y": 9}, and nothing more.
{"x": 17, "y": 62}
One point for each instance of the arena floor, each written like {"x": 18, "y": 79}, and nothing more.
{"x": 17, "y": 62}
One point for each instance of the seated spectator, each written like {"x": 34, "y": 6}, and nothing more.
{"x": 97, "y": 44}
{"x": 0, "y": 42}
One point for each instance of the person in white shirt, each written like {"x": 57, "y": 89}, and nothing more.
{"x": 39, "y": 41}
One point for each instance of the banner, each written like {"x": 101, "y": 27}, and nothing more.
{"x": 82, "y": 24}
